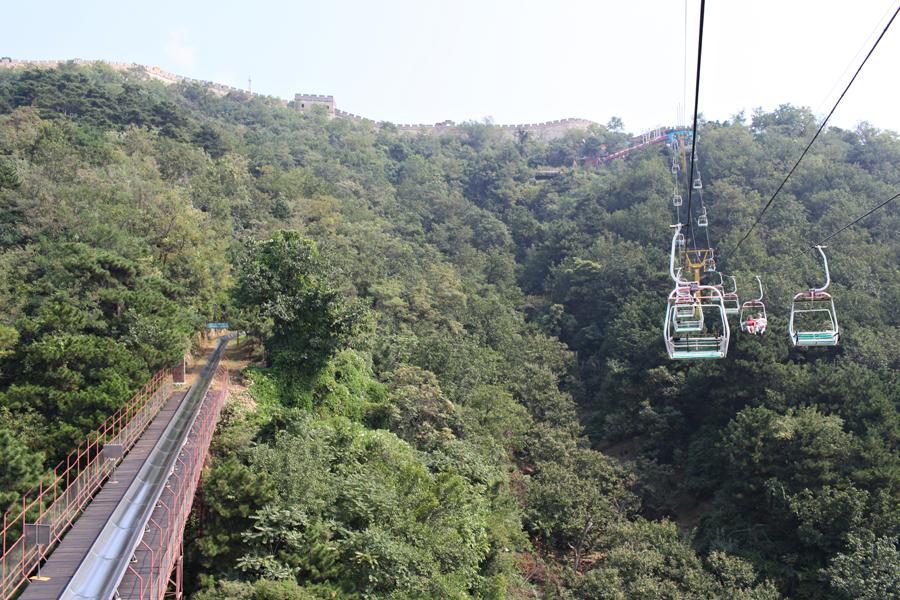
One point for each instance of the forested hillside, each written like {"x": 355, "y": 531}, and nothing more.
{"x": 459, "y": 385}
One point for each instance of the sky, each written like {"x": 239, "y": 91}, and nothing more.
{"x": 518, "y": 62}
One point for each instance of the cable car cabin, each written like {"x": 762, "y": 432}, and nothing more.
{"x": 753, "y": 317}
{"x": 679, "y": 240}
{"x": 721, "y": 289}
{"x": 677, "y": 200}
{"x": 732, "y": 303}
{"x": 687, "y": 315}
{"x": 702, "y": 220}
{"x": 675, "y": 168}
{"x": 813, "y": 320}
{"x": 698, "y": 185}
{"x": 711, "y": 339}
{"x": 731, "y": 300}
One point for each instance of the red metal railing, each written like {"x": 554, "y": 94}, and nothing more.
{"x": 161, "y": 549}
{"x": 63, "y": 492}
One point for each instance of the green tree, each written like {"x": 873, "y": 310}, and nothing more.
{"x": 212, "y": 140}
{"x": 9, "y": 179}
{"x": 418, "y": 405}
{"x": 261, "y": 589}
{"x": 650, "y": 559}
{"x": 871, "y": 570}
{"x": 615, "y": 124}
{"x": 295, "y": 287}
{"x": 21, "y": 470}
{"x": 231, "y": 495}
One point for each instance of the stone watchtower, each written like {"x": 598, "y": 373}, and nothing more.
{"x": 304, "y": 101}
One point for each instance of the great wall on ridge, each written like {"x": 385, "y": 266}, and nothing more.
{"x": 541, "y": 131}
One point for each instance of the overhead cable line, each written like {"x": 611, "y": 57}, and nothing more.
{"x": 772, "y": 199}
{"x": 696, "y": 104}
{"x": 684, "y": 83}
{"x": 844, "y": 228}
{"x": 708, "y": 243}
{"x": 862, "y": 47}
{"x": 825, "y": 239}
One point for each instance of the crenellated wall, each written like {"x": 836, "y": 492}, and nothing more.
{"x": 152, "y": 72}
{"x": 15, "y": 63}
{"x": 543, "y": 132}
{"x": 304, "y": 101}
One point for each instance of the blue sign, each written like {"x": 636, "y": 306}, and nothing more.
{"x": 218, "y": 325}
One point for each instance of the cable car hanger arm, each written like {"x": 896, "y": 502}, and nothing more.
{"x": 827, "y": 273}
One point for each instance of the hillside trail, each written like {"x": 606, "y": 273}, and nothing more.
{"x": 235, "y": 357}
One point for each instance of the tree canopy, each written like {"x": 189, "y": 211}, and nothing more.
{"x": 460, "y": 387}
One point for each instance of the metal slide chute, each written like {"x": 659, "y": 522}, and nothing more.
{"x": 102, "y": 569}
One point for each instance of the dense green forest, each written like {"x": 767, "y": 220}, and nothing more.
{"x": 459, "y": 386}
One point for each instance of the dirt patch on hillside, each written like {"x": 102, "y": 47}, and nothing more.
{"x": 624, "y": 451}
{"x": 687, "y": 509}
{"x": 237, "y": 357}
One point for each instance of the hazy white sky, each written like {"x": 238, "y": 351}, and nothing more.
{"x": 526, "y": 61}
